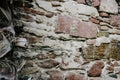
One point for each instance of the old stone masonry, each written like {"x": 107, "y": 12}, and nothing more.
{"x": 63, "y": 40}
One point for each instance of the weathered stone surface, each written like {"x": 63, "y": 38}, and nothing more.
{"x": 29, "y": 70}
{"x": 88, "y": 52}
{"x": 95, "y": 78}
{"x": 48, "y": 64}
{"x": 117, "y": 70}
{"x": 114, "y": 51}
{"x": 100, "y": 51}
{"x": 55, "y": 3}
{"x": 104, "y": 28}
{"x": 114, "y": 37}
{"x": 75, "y": 8}
{"x": 91, "y": 41}
{"x": 109, "y": 6}
{"x": 103, "y": 33}
{"x": 49, "y": 15}
{"x": 81, "y": 1}
{"x": 56, "y": 75}
{"x": 85, "y": 29}
{"x": 114, "y": 31}
{"x": 74, "y": 76}
{"x": 96, "y": 69}
{"x": 115, "y": 20}
{"x": 45, "y": 5}
{"x": 33, "y": 11}
{"x": 95, "y": 52}
{"x": 101, "y": 40}
{"x": 94, "y": 20}
{"x": 76, "y": 27}
{"x": 96, "y": 2}
{"x": 41, "y": 56}
{"x": 104, "y": 14}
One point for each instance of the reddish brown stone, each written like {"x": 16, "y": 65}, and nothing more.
{"x": 95, "y": 78}
{"x": 115, "y": 20}
{"x": 94, "y": 20}
{"x": 63, "y": 24}
{"x": 74, "y": 76}
{"x": 75, "y": 27}
{"x": 26, "y": 17}
{"x": 96, "y": 69}
{"x": 96, "y": 2}
{"x": 56, "y": 75}
{"x": 32, "y": 11}
{"x": 104, "y": 14}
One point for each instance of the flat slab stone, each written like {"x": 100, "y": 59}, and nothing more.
{"x": 75, "y": 27}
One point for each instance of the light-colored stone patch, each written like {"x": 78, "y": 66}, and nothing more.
{"x": 109, "y": 6}
{"x": 114, "y": 37}
{"x": 102, "y": 40}
{"x": 45, "y": 5}
{"x": 74, "y": 8}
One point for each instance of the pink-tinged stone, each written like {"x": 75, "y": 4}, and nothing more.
{"x": 74, "y": 76}
{"x": 96, "y": 2}
{"x": 85, "y": 30}
{"x": 56, "y": 75}
{"x": 115, "y": 20}
{"x": 96, "y": 69}
{"x": 104, "y": 14}
{"x": 63, "y": 24}
{"x": 91, "y": 41}
{"x": 75, "y": 27}
{"x": 55, "y": 3}
{"x": 94, "y": 20}
{"x": 104, "y": 28}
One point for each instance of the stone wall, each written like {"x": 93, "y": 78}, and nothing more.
{"x": 70, "y": 40}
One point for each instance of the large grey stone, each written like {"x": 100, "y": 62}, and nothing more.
{"x": 109, "y": 6}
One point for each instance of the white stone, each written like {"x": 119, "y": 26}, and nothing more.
{"x": 102, "y": 40}
{"x": 114, "y": 37}
{"x": 45, "y": 5}
{"x": 109, "y": 6}
{"x": 74, "y": 8}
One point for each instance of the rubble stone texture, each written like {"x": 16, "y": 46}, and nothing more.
{"x": 96, "y": 69}
{"x": 64, "y": 40}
